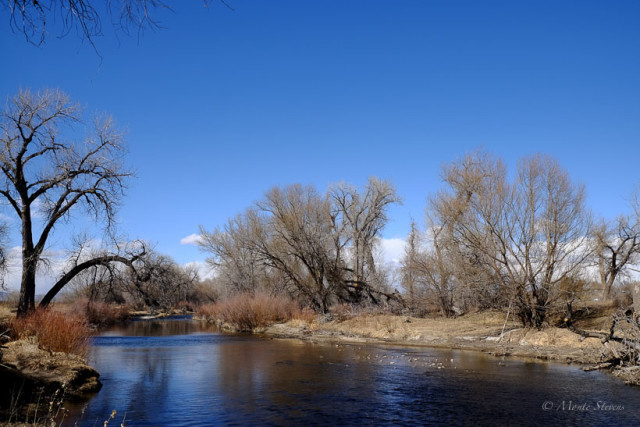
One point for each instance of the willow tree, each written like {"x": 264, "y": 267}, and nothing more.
{"x": 53, "y": 166}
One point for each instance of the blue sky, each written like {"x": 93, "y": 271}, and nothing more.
{"x": 221, "y": 105}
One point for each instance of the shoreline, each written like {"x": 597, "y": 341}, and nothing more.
{"x": 552, "y": 344}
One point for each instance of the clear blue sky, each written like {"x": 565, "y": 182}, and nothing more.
{"x": 221, "y": 105}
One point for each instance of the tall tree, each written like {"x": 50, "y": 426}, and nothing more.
{"x": 529, "y": 235}
{"x": 617, "y": 247}
{"x": 48, "y": 174}
{"x": 363, "y": 216}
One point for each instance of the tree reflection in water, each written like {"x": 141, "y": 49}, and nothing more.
{"x": 182, "y": 373}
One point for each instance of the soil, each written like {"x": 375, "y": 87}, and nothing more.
{"x": 35, "y": 381}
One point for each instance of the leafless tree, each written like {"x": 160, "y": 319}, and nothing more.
{"x": 48, "y": 174}
{"x": 296, "y": 241}
{"x": 233, "y": 257}
{"x": 408, "y": 269}
{"x": 159, "y": 282}
{"x": 361, "y": 218}
{"x": 528, "y": 235}
{"x": 34, "y": 18}
{"x": 617, "y": 247}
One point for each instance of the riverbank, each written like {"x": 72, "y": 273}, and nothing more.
{"x": 487, "y": 332}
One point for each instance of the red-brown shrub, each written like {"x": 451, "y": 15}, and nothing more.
{"x": 55, "y": 331}
{"x": 247, "y": 312}
{"x": 102, "y": 313}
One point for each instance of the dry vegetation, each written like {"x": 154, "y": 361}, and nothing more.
{"x": 54, "y": 331}
{"x": 245, "y": 312}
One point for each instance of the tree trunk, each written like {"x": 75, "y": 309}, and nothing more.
{"x": 27, "y": 302}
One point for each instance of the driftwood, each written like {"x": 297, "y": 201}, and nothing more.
{"x": 624, "y": 332}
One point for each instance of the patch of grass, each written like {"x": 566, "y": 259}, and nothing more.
{"x": 246, "y": 312}
{"x": 55, "y": 331}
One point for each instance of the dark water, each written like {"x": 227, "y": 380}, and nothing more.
{"x": 179, "y": 373}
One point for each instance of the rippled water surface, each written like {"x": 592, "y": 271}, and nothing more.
{"x": 177, "y": 372}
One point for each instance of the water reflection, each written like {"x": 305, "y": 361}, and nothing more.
{"x": 181, "y": 373}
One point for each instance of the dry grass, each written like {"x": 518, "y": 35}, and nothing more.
{"x": 5, "y": 317}
{"x": 247, "y": 312}
{"x": 55, "y": 331}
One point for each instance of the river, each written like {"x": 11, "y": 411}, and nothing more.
{"x": 182, "y": 373}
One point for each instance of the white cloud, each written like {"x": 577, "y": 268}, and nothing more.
{"x": 46, "y": 276}
{"x": 392, "y": 250}
{"x": 191, "y": 239}
{"x": 204, "y": 270}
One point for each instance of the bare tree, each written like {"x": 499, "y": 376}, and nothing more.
{"x": 232, "y": 256}
{"x": 617, "y": 247}
{"x": 408, "y": 269}
{"x": 529, "y": 235}
{"x": 48, "y": 175}
{"x": 33, "y": 18}
{"x": 298, "y": 240}
{"x": 159, "y": 282}
{"x": 295, "y": 240}
{"x": 362, "y": 217}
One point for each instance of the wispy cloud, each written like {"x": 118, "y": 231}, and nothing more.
{"x": 191, "y": 239}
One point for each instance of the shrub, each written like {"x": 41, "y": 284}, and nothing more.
{"x": 102, "y": 313}
{"x": 55, "y": 331}
{"x": 247, "y": 312}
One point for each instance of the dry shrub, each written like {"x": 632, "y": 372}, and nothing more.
{"x": 102, "y": 313}
{"x": 246, "y": 312}
{"x": 54, "y": 330}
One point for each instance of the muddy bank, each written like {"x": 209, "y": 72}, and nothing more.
{"x": 35, "y": 381}
{"x": 486, "y": 332}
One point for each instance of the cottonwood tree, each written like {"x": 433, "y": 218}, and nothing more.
{"x": 361, "y": 217}
{"x": 52, "y": 167}
{"x": 428, "y": 269}
{"x": 233, "y": 257}
{"x": 617, "y": 247}
{"x": 528, "y": 235}
{"x": 158, "y": 281}
{"x": 296, "y": 240}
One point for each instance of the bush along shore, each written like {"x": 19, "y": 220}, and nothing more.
{"x": 42, "y": 365}
{"x": 589, "y": 341}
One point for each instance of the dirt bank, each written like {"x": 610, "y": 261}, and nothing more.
{"x": 35, "y": 381}
{"x": 486, "y": 332}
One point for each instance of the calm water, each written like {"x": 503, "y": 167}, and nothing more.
{"x": 177, "y": 372}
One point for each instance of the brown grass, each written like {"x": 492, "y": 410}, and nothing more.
{"x": 55, "y": 331}
{"x": 247, "y": 312}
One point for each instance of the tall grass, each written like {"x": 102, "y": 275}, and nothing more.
{"x": 246, "y": 312}
{"x": 55, "y": 331}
